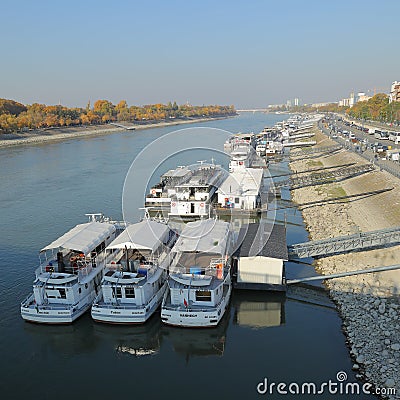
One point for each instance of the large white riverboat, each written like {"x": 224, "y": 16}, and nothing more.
{"x": 69, "y": 275}
{"x": 134, "y": 281}
{"x": 241, "y": 157}
{"x": 194, "y": 198}
{"x": 159, "y": 196}
{"x": 199, "y": 285}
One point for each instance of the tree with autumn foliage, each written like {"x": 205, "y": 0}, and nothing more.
{"x": 15, "y": 116}
{"x": 376, "y": 108}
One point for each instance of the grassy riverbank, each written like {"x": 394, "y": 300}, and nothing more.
{"x": 55, "y": 134}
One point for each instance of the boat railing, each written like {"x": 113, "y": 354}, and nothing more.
{"x": 58, "y": 306}
{"x": 28, "y": 299}
{"x": 194, "y": 308}
{"x": 79, "y": 265}
{"x": 216, "y": 268}
{"x": 84, "y": 271}
{"x": 117, "y": 304}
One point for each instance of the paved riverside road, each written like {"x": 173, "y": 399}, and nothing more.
{"x": 393, "y": 167}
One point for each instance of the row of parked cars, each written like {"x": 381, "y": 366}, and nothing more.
{"x": 381, "y": 151}
{"x": 378, "y": 133}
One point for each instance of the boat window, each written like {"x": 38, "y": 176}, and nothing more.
{"x": 118, "y": 292}
{"x": 203, "y": 295}
{"x": 237, "y": 200}
{"x": 63, "y": 294}
{"x": 129, "y": 293}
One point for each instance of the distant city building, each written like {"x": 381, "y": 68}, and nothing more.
{"x": 344, "y": 103}
{"x": 361, "y": 96}
{"x": 316, "y": 105}
{"x": 289, "y": 103}
{"x": 351, "y": 100}
{"x": 276, "y": 105}
{"x": 394, "y": 92}
{"x": 296, "y": 102}
{"x": 348, "y": 102}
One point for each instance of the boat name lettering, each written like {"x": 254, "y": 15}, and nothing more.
{"x": 188, "y": 315}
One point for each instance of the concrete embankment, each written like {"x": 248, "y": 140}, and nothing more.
{"x": 56, "y": 134}
{"x": 369, "y": 304}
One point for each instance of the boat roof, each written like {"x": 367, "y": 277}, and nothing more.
{"x": 204, "y": 176}
{"x": 145, "y": 235}
{"x": 83, "y": 237}
{"x": 242, "y": 181}
{"x": 206, "y": 236}
{"x": 177, "y": 173}
{"x": 262, "y": 239}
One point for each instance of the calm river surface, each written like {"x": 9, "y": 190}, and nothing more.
{"x": 46, "y": 190}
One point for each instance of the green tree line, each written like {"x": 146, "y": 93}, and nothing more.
{"x": 377, "y": 108}
{"x": 15, "y": 116}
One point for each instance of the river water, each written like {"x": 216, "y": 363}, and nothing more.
{"x": 45, "y": 190}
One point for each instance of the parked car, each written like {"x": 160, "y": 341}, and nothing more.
{"x": 394, "y": 137}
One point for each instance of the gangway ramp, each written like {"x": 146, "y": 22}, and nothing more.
{"x": 324, "y": 177}
{"x": 314, "y": 150}
{"x": 343, "y": 274}
{"x": 345, "y": 244}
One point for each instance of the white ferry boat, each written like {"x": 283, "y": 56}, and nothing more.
{"x": 159, "y": 196}
{"x": 261, "y": 149}
{"x": 192, "y": 199}
{"x": 199, "y": 285}
{"x": 68, "y": 278}
{"x": 134, "y": 281}
{"x": 241, "y": 157}
{"x": 239, "y": 139}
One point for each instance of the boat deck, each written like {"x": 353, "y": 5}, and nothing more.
{"x": 194, "y": 307}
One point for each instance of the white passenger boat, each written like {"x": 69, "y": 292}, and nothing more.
{"x": 67, "y": 279}
{"x": 199, "y": 285}
{"x": 261, "y": 149}
{"x": 136, "y": 271}
{"x": 159, "y": 196}
{"x": 193, "y": 198}
{"x": 241, "y": 157}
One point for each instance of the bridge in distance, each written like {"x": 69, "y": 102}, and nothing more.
{"x": 254, "y": 110}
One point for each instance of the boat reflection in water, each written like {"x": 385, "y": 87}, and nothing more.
{"x": 197, "y": 342}
{"x": 137, "y": 341}
{"x": 258, "y": 309}
{"x": 71, "y": 340}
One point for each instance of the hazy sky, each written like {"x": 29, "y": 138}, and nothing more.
{"x": 246, "y": 53}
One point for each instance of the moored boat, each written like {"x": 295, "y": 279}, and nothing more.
{"x": 67, "y": 279}
{"x": 134, "y": 281}
{"x": 199, "y": 285}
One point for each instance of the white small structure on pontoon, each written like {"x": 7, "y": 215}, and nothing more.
{"x": 241, "y": 190}
{"x": 136, "y": 271}
{"x": 200, "y": 281}
{"x": 67, "y": 280}
{"x": 258, "y": 263}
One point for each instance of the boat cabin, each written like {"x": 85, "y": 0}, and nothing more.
{"x": 194, "y": 197}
